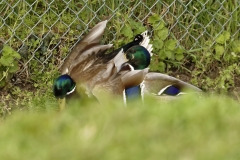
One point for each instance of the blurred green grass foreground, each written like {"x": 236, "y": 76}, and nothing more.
{"x": 186, "y": 128}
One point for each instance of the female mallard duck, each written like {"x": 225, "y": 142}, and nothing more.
{"x": 87, "y": 71}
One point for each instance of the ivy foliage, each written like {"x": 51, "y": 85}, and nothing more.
{"x": 8, "y": 64}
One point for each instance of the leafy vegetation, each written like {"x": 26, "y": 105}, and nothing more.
{"x": 8, "y": 64}
{"x": 166, "y": 49}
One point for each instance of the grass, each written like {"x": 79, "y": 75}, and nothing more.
{"x": 188, "y": 128}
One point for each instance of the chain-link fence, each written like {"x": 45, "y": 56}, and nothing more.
{"x": 41, "y": 31}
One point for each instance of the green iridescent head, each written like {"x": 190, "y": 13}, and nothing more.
{"x": 63, "y": 85}
{"x": 138, "y": 56}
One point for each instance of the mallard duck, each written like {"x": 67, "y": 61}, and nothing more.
{"x": 139, "y": 57}
{"x": 87, "y": 71}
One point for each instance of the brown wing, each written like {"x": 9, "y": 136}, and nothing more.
{"x": 90, "y": 40}
{"x": 107, "y": 77}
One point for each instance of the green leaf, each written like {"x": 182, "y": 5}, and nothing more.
{"x": 8, "y": 51}
{"x": 14, "y": 68}
{"x": 179, "y": 50}
{"x": 179, "y": 57}
{"x": 169, "y": 54}
{"x": 226, "y": 35}
{"x": 162, "y": 54}
{"x": 179, "y": 53}
{"x": 162, "y": 34}
{"x": 6, "y": 61}
{"x": 160, "y": 26}
{"x": 219, "y": 51}
{"x": 157, "y": 44}
{"x": 161, "y": 66}
{"x": 16, "y": 55}
{"x": 170, "y": 44}
{"x": 236, "y": 46}
{"x": 220, "y": 39}
{"x": 154, "y": 18}
{"x": 127, "y": 31}
{"x": 139, "y": 30}
{"x": 133, "y": 23}
{"x": 137, "y": 26}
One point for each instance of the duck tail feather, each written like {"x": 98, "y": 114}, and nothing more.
{"x": 146, "y": 42}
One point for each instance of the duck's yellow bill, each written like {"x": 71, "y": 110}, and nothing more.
{"x": 62, "y": 104}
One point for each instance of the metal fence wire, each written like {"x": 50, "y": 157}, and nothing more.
{"x": 43, "y": 30}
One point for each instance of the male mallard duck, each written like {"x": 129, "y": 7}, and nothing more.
{"x": 88, "y": 70}
{"x": 139, "y": 57}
